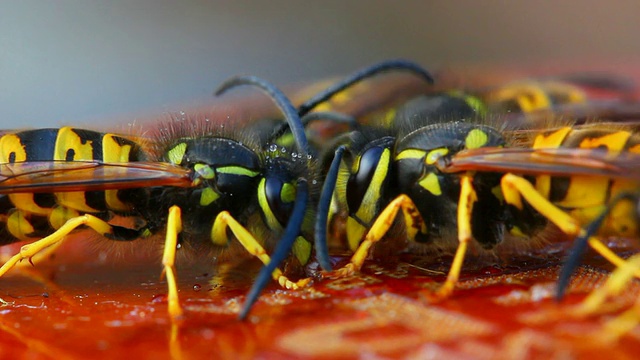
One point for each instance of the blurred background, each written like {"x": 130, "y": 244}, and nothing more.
{"x": 76, "y": 62}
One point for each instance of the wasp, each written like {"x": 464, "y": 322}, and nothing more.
{"x": 529, "y": 102}
{"x": 194, "y": 182}
{"x": 458, "y": 179}
{"x": 564, "y": 94}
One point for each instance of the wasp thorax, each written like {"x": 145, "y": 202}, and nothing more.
{"x": 221, "y": 167}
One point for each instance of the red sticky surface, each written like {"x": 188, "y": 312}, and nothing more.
{"x": 75, "y": 307}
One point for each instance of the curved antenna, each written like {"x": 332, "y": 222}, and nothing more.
{"x": 389, "y": 65}
{"x": 322, "y": 252}
{"x": 283, "y": 248}
{"x": 278, "y": 97}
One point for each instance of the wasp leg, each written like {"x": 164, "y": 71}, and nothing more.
{"x": 249, "y": 242}
{"x": 613, "y": 286}
{"x": 602, "y": 249}
{"x": 36, "y": 259}
{"x": 174, "y": 227}
{"x": 625, "y": 322}
{"x": 514, "y": 188}
{"x": 468, "y": 197}
{"x": 29, "y": 250}
{"x": 413, "y": 222}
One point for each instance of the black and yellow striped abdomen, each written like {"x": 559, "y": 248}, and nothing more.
{"x": 28, "y": 215}
{"x": 586, "y": 197}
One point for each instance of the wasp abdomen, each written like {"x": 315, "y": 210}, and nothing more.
{"x": 32, "y": 215}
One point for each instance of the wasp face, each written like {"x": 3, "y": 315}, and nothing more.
{"x": 277, "y": 190}
{"x": 367, "y": 187}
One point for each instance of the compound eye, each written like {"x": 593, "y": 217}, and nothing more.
{"x": 360, "y": 181}
{"x": 280, "y": 198}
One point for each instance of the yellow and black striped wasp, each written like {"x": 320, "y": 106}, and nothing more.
{"x": 569, "y": 94}
{"x": 455, "y": 178}
{"x": 192, "y": 181}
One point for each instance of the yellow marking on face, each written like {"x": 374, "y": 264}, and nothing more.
{"x": 366, "y": 212}
{"x": 288, "y": 193}
{"x": 60, "y": 215}
{"x": 476, "y": 138}
{"x": 272, "y": 221}
{"x": 431, "y": 184}
{"x": 355, "y": 232}
{"x": 113, "y": 152}
{"x": 176, "y": 153}
{"x": 614, "y": 142}
{"x": 237, "y": 170}
{"x": 552, "y": 140}
{"x": 205, "y": 171}
{"x": 411, "y": 154}
{"x": 19, "y": 226}
{"x": 301, "y": 250}
{"x": 67, "y": 140}
{"x": 434, "y": 155}
{"x": 208, "y": 196}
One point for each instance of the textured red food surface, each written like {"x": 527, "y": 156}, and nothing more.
{"x": 77, "y": 307}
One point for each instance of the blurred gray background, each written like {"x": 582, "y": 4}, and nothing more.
{"x": 76, "y": 62}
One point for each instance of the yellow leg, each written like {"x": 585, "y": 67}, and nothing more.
{"x": 174, "y": 227}
{"x": 29, "y": 250}
{"x": 614, "y": 285}
{"x": 37, "y": 258}
{"x": 468, "y": 197}
{"x": 377, "y": 231}
{"x": 175, "y": 349}
{"x": 609, "y": 255}
{"x": 224, "y": 220}
{"x": 514, "y": 187}
{"x": 622, "y": 324}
